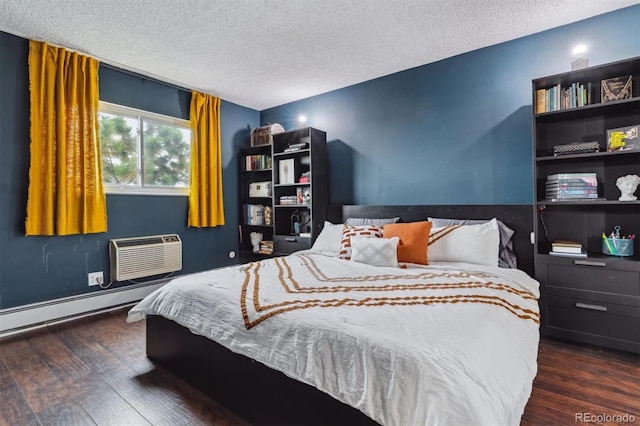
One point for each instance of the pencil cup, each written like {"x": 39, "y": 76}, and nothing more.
{"x": 617, "y": 246}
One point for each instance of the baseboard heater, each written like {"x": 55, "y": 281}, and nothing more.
{"x": 19, "y": 319}
{"x": 139, "y": 257}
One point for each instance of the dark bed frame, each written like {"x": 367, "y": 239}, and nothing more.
{"x": 263, "y": 396}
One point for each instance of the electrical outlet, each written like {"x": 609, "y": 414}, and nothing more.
{"x": 95, "y": 278}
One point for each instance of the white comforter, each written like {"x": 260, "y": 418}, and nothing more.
{"x": 446, "y": 344}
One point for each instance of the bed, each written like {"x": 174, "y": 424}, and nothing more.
{"x": 349, "y": 338}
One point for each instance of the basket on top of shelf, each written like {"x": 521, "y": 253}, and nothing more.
{"x": 264, "y": 135}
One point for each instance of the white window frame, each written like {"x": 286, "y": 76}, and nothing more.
{"x": 109, "y": 108}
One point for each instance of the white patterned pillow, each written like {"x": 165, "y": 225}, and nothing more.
{"x": 375, "y": 251}
{"x": 356, "y": 231}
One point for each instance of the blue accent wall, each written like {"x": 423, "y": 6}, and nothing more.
{"x": 36, "y": 269}
{"x": 457, "y": 131}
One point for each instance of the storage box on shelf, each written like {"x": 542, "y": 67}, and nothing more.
{"x": 593, "y": 299}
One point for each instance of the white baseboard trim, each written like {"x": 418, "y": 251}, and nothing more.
{"x": 15, "y": 320}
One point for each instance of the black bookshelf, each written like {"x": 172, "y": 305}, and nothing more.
{"x": 593, "y": 299}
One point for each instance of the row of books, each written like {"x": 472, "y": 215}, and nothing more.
{"x": 557, "y": 98}
{"x": 257, "y": 162}
{"x": 571, "y": 187}
{"x": 253, "y": 214}
{"x": 290, "y": 200}
{"x": 567, "y": 248}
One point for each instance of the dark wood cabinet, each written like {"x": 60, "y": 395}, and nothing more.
{"x": 593, "y": 299}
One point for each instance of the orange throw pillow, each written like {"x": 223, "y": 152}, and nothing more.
{"x": 414, "y": 238}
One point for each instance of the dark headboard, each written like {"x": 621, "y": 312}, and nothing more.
{"x": 518, "y": 217}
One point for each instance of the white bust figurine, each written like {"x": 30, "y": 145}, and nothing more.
{"x": 255, "y": 237}
{"x": 627, "y": 186}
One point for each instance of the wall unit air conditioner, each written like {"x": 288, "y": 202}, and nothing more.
{"x": 144, "y": 256}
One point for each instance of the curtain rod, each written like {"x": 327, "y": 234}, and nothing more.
{"x": 121, "y": 68}
{"x": 143, "y": 76}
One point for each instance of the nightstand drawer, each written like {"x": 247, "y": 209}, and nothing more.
{"x": 592, "y": 278}
{"x": 287, "y": 244}
{"x": 593, "y": 318}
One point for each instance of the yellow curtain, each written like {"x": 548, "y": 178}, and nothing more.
{"x": 205, "y": 194}
{"x": 65, "y": 195}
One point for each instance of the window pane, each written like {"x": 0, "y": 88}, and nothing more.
{"x": 119, "y": 139}
{"x": 166, "y": 154}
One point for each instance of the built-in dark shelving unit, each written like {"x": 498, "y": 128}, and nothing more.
{"x": 593, "y": 299}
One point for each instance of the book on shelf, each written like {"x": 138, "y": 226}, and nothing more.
{"x": 566, "y": 246}
{"x": 586, "y": 180}
{"x": 572, "y": 183}
{"x": 254, "y": 214}
{"x": 574, "y": 190}
{"x": 557, "y": 253}
{"x": 288, "y": 200}
{"x": 571, "y": 194}
{"x": 573, "y": 200}
{"x": 266, "y": 247}
{"x": 623, "y": 138}
{"x": 579, "y": 176}
{"x": 541, "y": 105}
{"x": 292, "y": 147}
{"x": 567, "y": 243}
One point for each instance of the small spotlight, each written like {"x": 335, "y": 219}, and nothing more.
{"x": 580, "y": 61}
{"x": 302, "y": 120}
{"x": 579, "y": 50}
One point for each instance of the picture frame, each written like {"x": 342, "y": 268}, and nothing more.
{"x": 286, "y": 171}
{"x": 616, "y": 89}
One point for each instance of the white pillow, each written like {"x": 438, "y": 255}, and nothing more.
{"x": 329, "y": 241}
{"x": 476, "y": 244}
{"x": 375, "y": 251}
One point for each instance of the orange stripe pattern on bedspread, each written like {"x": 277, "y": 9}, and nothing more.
{"x": 298, "y": 282}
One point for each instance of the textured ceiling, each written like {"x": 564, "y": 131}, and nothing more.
{"x": 264, "y": 53}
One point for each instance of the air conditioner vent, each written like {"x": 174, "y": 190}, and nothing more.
{"x": 144, "y": 256}
{"x": 139, "y": 241}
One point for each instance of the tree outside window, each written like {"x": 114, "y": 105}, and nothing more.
{"x": 154, "y": 160}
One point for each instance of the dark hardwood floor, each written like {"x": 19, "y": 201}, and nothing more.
{"x": 94, "y": 371}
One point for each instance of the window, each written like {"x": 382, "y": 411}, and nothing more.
{"x": 143, "y": 152}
